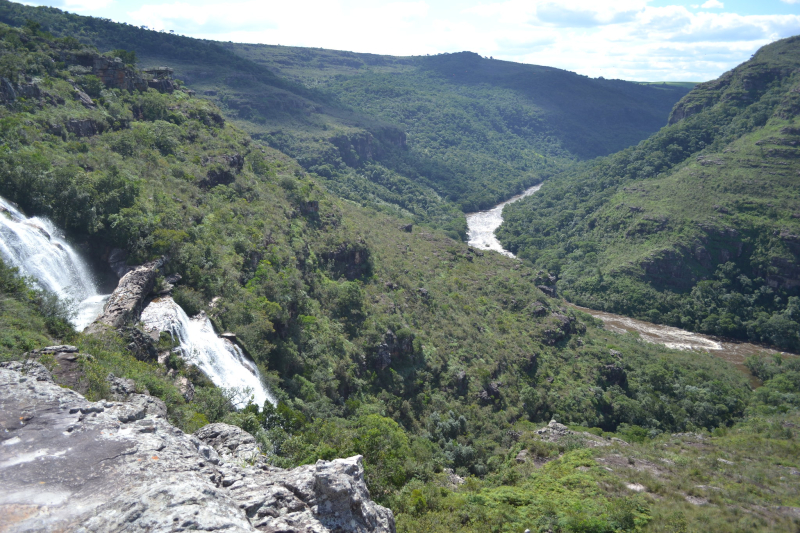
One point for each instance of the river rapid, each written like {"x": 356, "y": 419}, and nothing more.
{"x": 481, "y": 227}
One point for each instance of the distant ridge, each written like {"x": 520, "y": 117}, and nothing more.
{"x": 427, "y": 136}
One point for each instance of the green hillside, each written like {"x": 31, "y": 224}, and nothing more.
{"x": 697, "y": 226}
{"x": 438, "y": 363}
{"x": 421, "y": 136}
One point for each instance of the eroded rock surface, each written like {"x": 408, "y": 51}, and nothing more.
{"x": 67, "y": 464}
{"x": 126, "y": 302}
{"x": 555, "y": 432}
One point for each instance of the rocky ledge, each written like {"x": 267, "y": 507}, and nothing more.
{"x": 67, "y": 464}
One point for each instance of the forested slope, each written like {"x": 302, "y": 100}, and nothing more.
{"x": 421, "y": 136}
{"x": 695, "y": 227}
{"x": 479, "y": 127}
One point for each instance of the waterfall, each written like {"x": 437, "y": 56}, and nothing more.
{"x": 221, "y": 360}
{"x": 36, "y": 248}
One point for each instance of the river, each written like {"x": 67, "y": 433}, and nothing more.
{"x": 481, "y": 227}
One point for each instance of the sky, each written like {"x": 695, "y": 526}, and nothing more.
{"x": 644, "y": 40}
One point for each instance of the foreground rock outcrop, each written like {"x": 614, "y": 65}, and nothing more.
{"x": 67, "y": 464}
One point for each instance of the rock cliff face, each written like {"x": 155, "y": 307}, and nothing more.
{"x": 350, "y": 260}
{"x": 114, "y": 73}
{"x": 222, "y": 170}
{"x": 357, "y": 147}
{"x": 126, "y": 302}
{"x": 67, "y": 464}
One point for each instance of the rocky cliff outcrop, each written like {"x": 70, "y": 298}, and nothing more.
{"x": 361, "y": 146}
{"x": 555, "y": 432}
{"x": 113, "y": 72}
{"x": 67, "y": 464}
{"x": 394, "y": 347}
{"x": 126, "y": 302}
{"x": 222, "y": 170}
{"x": 350, "y": 260}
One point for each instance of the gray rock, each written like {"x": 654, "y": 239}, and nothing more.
{"x": 139, "y": 344}
{"x": 152, "y": 406}
{"x": 186, "y": 388}
{"x": 29, "y": 369}
{"x": 67, "y": 464}
{"x": 7, "y": 93}
{"x": 491, "y": 392}
{"x": 554, "y": 428}
{"x": 554, "y": 432}
{"x": 549, "y": 291}
{"x": 453, "y": 479}
{"x": 327, "y": 496}
{"x": 126, "y": 302}
{"x": 173, "y": 278}
{"x": 384, "y": 356}
{"x": 232, "y": 443}
{"x": 84, "y": 98}
{"x": 61, "y": 348}
{"x": 65, "y": 365}
{"x": 82, "y": 127}
{"x": 120, "y": 388}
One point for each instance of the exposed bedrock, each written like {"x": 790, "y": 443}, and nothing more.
{"x": 68, "y": 464}
{"x": 127, "y": 301}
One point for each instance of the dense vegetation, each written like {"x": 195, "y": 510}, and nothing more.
{"x": 434, "y": 361}
{"x": 426, "y": 137}
{"x": 695, "y": 227}
{"x": 478, "y": 128}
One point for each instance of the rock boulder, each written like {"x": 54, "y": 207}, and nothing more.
{"x": 126, "y": 302}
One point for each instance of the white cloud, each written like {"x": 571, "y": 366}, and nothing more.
{"x": 630, "y": 39}
{"x": 579, "y": 16}
{"x": 636, "y": 40}
{"x": 791, "y": 1}
{"x": 367, "y": 27}
{"x": 77, "y": 6}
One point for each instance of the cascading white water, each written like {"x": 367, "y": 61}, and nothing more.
{"x": 35, "y": 247}
{"x": 482, "y": 225}
{"x": 221, "y": 360}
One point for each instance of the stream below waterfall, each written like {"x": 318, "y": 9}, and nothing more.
{"x": 37, "y": 248}
{"x": 481, "y": 227}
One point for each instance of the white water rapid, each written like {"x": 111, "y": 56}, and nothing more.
{"x": 35, "y": 246}
{"x": 221, "y": 360}
{"x": 482, "y": 225}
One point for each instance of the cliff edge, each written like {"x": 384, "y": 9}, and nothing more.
{"x": 68, "y": 464}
